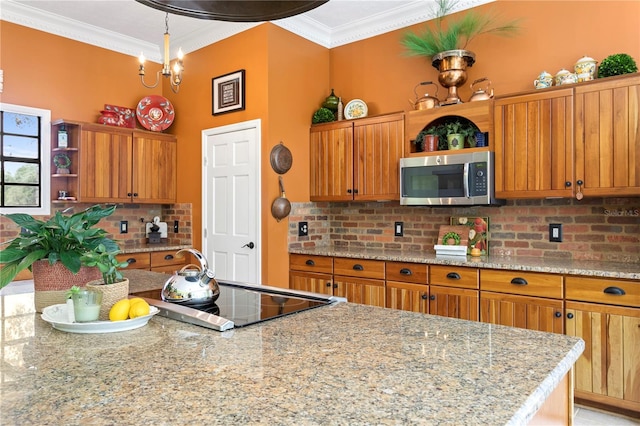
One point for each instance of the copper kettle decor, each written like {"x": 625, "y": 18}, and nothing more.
{"x": 481, "y": 94}
{"x": 425, "y": 102}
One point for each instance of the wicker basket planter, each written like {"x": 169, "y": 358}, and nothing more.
{"x": 111, "y": 293}
{"x": 51, "y": 282}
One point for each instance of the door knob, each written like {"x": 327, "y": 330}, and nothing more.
{"x": 249, "y": 244}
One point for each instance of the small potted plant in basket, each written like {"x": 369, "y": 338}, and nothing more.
{"x": 113, "y": 285}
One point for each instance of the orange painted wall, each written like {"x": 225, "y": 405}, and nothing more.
{"x": 74, "y": 80}
{"x": 554, "y": 35}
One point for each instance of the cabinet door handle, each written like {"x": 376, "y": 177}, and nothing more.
{"x": 424, "y": 296}
{"x": 355, "y": 191}
{"x": 406, "y": 271}
{"x": 348, "y": 191}
{"x": 131, "y": 260}
{"x": 616, "y": 291}
{"x": 168, "y": 257}
{"x": 335, "y": 286}
{"x": 358, "y": 267}
{"x": 432, "y": 297}
{"x": 453, "y": 276}
{"x": 135, "y": 194}
{"x": 558, "y": 314}
{"x": 570, "y": 315}
{"x": 519, "y": 281}
{"x": 328, "y": 283}
{"x": 129, "y": 194}
{"x": 310, "y": 263}
{"x": 567, "y": 184}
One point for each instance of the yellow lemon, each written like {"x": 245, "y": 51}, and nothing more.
{"x": 136, "y": 300}
{"x": 139, "y": 309}
{"x": 120, "y": 310}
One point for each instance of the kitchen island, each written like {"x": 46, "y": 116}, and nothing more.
{"x": 342, "y": 364}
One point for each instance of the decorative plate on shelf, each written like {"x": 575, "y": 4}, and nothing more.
{"x": 126, "y": 117}
{"x": 356, "y": 108}
{"x": 155, "y": 113}
{"x": 56, "y": 315}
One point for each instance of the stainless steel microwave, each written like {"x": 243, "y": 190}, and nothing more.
{"x": 448, "y": 179}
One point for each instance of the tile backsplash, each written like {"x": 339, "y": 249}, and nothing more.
{"x": 605, "y": 229}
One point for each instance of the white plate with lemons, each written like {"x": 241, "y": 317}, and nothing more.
{"x": 57, "y": 316}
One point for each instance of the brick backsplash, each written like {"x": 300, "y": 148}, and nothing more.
{"x": 136, "y": 214}
{"x": 593, "y": 229}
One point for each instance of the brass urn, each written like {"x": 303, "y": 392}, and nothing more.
{"x": 452, "y": 65}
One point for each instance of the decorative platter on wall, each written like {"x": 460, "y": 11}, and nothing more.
{"x": 155, "y": 113}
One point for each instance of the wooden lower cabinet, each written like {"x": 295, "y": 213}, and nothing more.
{"x": 608, "y": 371}
{"x": 407, "y": 296}
{"x": 532, "y": 313}
{"x": 453, "y": 302}
{"x": 310, "y": 281}
{"x": 360, "y": 290}
{"x": 164, "y": 261}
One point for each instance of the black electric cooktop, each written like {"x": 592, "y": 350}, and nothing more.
{"x": 239, "y": 305}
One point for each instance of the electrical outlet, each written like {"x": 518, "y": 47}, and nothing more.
{"x": 555, "y": 232}
{"x": 303, "y": 229}
{"x": 175, "y": 226}
{"x": 398, "y": 229}
{"x": 124, "y": 226}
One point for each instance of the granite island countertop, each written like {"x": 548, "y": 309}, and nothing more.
{"x": 343, "y": 364}
{"x": 593, "y": 268}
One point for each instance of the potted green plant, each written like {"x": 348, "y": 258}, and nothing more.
{"x": 54, "y": 249}
{"x": 469, "y": 131}
{"x": 455, "y": 135}
{"x": 113, "y": 285}
{"x": 432, "y": 137}
{"x": 446, "y": 45}
{"x": 617, "y": 64}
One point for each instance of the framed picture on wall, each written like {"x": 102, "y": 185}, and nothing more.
{"x": 228, "y": 92}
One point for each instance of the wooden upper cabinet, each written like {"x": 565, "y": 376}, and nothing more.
{"x": 120, "y": 165}
{"x": 356, "y": 159}
{"x": 534, "y": 145}
{"x": 378, "y": 149}
{"x": 105, "y": 165}
{"x": 331, "y": 161}
{"x": 154, "y": 168}
{"x": 607, "y": 136}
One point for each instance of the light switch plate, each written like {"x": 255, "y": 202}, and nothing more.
{"x": 555, "y": 232}
{"x": 398, "y": 229}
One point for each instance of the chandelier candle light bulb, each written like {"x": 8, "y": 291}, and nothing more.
{"x": 175, "y": 74}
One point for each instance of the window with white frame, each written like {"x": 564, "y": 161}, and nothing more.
{"x": 25, "y": 142}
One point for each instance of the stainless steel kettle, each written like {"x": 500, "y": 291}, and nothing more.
{"x": 192, "y": 285}
{"x": 425, "y": 102}
{"x": 481, "y": 95}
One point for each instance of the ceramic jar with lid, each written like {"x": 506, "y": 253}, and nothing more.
{"x": 585, "y": 69}
{"x": 565, "y": 77}
{"x": 544, "y": 80}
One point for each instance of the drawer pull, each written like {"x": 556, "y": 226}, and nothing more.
{"x": 453, "y": 276}
{"x": 406, "y": 271}
{"x": 358, "y": 267}
{"x": 131, "y": 260}
{"x": 168, "y": 257}
{"x": 616, "y": 291}
{"x": 570, "y": 315}
{"x": 519, "y": 281}
{"x": 310, "y": 263}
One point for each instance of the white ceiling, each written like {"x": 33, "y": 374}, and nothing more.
{"x": 129, "y": 27}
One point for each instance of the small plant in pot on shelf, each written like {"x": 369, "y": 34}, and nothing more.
{"x": 617, "y": 64}
{"x": 53, "y": 250}
{"x": 455, "y": 134}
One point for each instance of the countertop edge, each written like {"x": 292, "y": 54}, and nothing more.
{"x": 601, "y": 269}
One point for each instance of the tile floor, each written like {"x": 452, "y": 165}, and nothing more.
{"x": 586, "y": 416}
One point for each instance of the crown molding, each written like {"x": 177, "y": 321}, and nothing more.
{"x": 32, "y": 17}
{"x": 406, "y": 14}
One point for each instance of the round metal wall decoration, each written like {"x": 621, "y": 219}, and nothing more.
{"x": 281, "y": 159}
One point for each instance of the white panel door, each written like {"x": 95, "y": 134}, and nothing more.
{"x": 231, "y": 201}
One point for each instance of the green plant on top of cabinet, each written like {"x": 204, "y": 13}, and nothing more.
{"x": 607, "y": 136}
{"x": 533, "y": 145}
{"x": 356, "y": 159}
